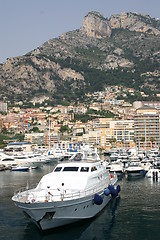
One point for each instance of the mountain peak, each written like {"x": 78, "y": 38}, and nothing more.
{"x": 134, "y": 22}
{"x": 101, "y": 53}
{"x": 95, "y": 25}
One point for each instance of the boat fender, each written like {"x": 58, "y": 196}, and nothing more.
{"x": 107, "y": 192}
{"x": 111, "y": 188}
{"x": 118, "y": 188}
{"x": 97, "y": 199}
{"x": 113, "y": 191}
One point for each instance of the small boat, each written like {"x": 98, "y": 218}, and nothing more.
{"x": 134, "y": 170}
{"x": 117, "y": 167}
{"x": 20, "y": 168}
{"x": 114, "y": 156}
{"x": 72, "y": 192}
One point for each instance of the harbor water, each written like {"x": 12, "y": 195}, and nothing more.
{"x": 135, "y": 215}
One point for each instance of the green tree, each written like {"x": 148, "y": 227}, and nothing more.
{"x": 113, "y": 141}
{"x": 35, "y": 129}
{"x": 64, "y": 128}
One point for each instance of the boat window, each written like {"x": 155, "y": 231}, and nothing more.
{"x": 58, "y": 169}
{"x": 84, "y": 169}
{"x": 93, "y": 169}
{"x": 73, "y": 169}
{"x": 7, "y": 159}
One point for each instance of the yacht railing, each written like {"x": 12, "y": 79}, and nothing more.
{"x": 38, "y": 195}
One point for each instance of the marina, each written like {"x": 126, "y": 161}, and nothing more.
{"x": 80, "y": 121}
{"x": 134, "y": 215}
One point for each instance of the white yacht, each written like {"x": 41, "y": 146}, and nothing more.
{"x": 7, "y": 160}
{"x": 153, "y": 153}
{"x": 134, "y": 170}
{"x": 55, "y": 155}
{"x": 25, "y": 160}
{"x": 117, "y": 167}
{"x": 58, "y": 153}
{"x": 88, "y": 189}
{"x": 114, "y": 156}
{"x": 29, "y": 160}
{"x": 146, "y": 165}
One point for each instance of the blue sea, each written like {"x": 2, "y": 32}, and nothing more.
{"x": 135, "y": 215}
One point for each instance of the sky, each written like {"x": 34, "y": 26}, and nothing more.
{"x": 27, "y": 24}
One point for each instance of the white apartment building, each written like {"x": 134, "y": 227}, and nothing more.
{"x": 146, "y": 127}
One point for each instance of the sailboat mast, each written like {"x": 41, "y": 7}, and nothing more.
{"x": 49, "y": 138}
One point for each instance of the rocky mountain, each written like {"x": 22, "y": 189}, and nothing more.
{"x": 121, "y": 50}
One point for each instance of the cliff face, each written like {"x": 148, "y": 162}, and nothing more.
{"x": 134, "y": 22}
{"x": 95, "y": 25}
{"x": 67, "y": 66}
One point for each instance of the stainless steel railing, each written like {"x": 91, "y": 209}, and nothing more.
{"x": 32, "y": 194}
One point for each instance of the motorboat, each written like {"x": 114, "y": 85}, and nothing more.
{"x": 58, "y": 154}
{"x": 117, "y": 167}
{"x": 27, "y": 160}
{"x": 7, "y": 160}
{"x": 113, "y": 150}
{"x": 134, "y": 158}
{"x": 146, "y": 165}
{"x": 87, "y": 188}
{"x": 114, "y": 156}
{"x": 20, "y": 168}
{"x": 135, "y": 170}
{"x": 153, "y": 153}
{"x": 123, "y": 155}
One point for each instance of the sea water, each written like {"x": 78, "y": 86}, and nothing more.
{"x": 135, "y": 215}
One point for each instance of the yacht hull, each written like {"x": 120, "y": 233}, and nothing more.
{"x": 55, "y": 214}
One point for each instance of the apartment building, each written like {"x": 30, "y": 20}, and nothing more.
{"x": 146, "y": 128}
{"x": 109, "y": 131}
{"x": 34, "y": 138}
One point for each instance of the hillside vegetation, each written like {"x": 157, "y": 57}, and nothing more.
{"x": 123, "y": 50}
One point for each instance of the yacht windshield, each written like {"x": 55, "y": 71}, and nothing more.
{"x": 84, "y": 169}
{"x": 58, "y": 169}
{"x": 68, "y": 169}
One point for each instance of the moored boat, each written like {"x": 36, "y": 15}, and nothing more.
{"x": 74, "y": 191}
{"x": 20, "y": 168}
{"x": 134, "y": 170}
{"x": 117, "y": 167}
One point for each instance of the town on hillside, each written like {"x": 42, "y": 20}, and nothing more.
{"x": 103, "y": 123}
